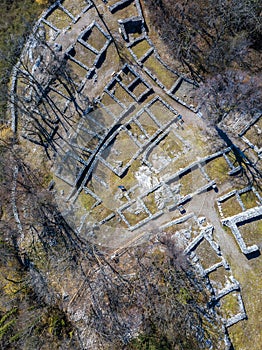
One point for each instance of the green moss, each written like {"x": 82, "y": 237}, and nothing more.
{"x": 5, "y": 328}
{"x": 48, "y": 176}
{"x": 183, "y": 296}
{"x": 7, "y": 315}
{"x": 56, "y": 324}
{"x": 39, "y": 256}
{"x": 16, "y": 337}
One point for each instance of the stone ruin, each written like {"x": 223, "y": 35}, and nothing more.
{"x": 123, "y": 113}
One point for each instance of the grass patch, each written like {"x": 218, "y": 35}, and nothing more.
{"x": 229, "y": 305}
{"x": 128, "y": 180}
{"x": 59, "y": 19}
{"x": 100, "y": 212}
{"x": 109, "y": 66}
{"x": 247, "y": 335}
{"x": 171, "y": 146}
{"x": 161, "y": 112}
{"x": 102, "y": 117}
{"x": 259, "y": 123}
{"x": 139, "y": 89}
{"x": 6, "y": 135}
{"x": 134, "y": 215}
{"x": 165, "y": 76}
{"x": 86, "y": 200}
{"x": 126, "y": 12}
{"x": 135, "y": 130}
{"x": 61, "y": 186}
{"x": 75, "y": 7}
{"x": 232, "y": 158}
{"x": 50, "y": 33}
{"x": 251, "y": 232}
{"x": 231, "y": 207}
{"x": 77, "y": 72}
{"x": 141, "y": 48}
{"x": 92, "y": 142}
{"x": 217, "y": 170}
{"x": 121, "y": 150}
{"x": 254, "y": 134}
{"x": 190, "y": 228}
{"x": 84, "y": 55}
{"x": 206, "y": 254}
{"x": 183, "y": 90}
{"x": 249, "y": 199}
{"x": 83, "y": 138}
{"x": 219, "y": 278}
{"x": 149, "y": 125}
{"x": 5, "y": 328}
{"x": 39, "y": 255}
{"x": 150, "y": 203}
{"x": 127, "y": 77}
{"x": 121, "y": 94}
{"x": 114, "y": 107}
{"x": 47, "y": 178}
{"x": 96, "y": 39}
{"x": 191, "y": 182}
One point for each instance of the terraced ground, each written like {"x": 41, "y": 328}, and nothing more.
{"x": 130, "y": 156}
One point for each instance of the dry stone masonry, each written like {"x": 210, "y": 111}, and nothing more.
{"x": 112, "y": 116}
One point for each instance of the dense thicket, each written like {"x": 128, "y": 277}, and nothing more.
{"x": 210, "y": 35}
{"x": 16, "y": 21}
{"x": 219, "y": 41}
